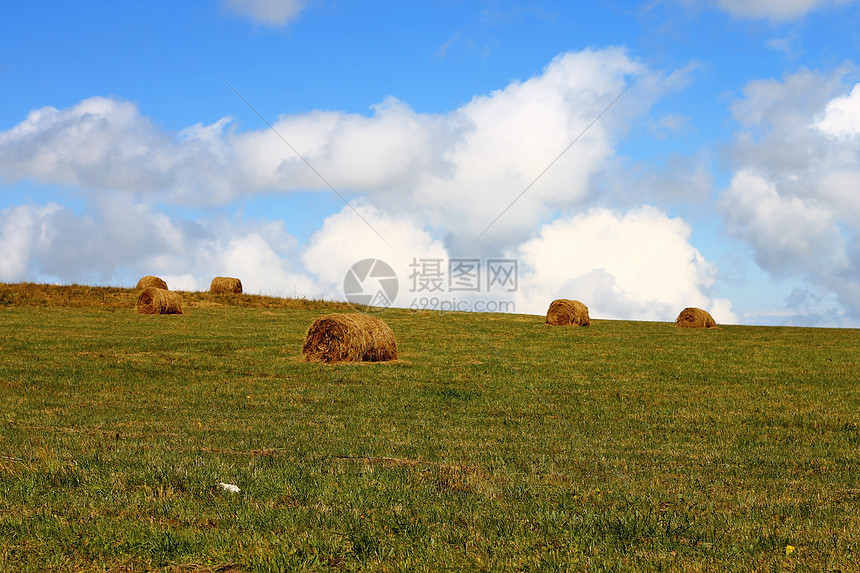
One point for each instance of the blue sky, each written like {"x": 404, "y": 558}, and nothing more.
{"x": 726, "y": 177}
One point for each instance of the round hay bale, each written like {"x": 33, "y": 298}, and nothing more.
{"x": 353, "y": 337}
{"x": 159, "y": 301}
{"x": 150, "y": 281}
{"x": 695, "y": 318}
{"x": 225, "y": 285}
{"x": 563, "y": 312}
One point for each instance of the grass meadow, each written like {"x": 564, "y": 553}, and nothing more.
{"x": 495, "y": 442}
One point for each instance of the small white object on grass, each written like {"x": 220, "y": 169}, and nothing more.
{"x": 229, "y": 487}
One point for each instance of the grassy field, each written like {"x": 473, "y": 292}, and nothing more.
{"x": 494, "y": 443}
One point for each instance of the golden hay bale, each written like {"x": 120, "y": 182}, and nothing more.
{"x": 159, "y": 301}
{"x": 225, "y": 285}
{"x": 150, "y": 281}
{"x": 350, "y": 337}
{"x": 563, "y": 312}
{"x": 695, "y": 318}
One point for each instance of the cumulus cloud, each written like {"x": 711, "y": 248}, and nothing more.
{"x": 98, "y": 143}
{"x": 776, "y": 10}
{"x": 459, "y": 169}
{"x": 512, "y": 135}
{"x": 106, "y": 144}
{"x": 636, "y": 265}
{"x": 841, "y": 118}
{"x": 785, "y": 231}
{"x": 345, "y": 239}
{"x": 118, "y": 241}
{"x": 793, "y": 197}
{"x": 22, "y": 228}
{"x": 266, "y": 12}
{"x": 633, "y": 265}
{"x": 426, "y": 183}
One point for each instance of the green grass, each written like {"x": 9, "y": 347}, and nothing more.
{"x": 494, "y": 443}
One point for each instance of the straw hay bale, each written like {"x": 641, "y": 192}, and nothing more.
{"x": 695, "y": 318}
{"x": 151, "y": 281}
{"x": 225, "y": 285}
{"x": 159, "y": 301}
{"x": 563, "y": 312}
{"x": 352, "y": 337}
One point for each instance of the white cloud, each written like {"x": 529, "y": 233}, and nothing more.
{"x": 118, "y": 241}
{"x": 345, "y": 239}
{"x": 793, "y": 198}
{"x": 421, "y": 178}
{"x": 461, "y": 168}
{"x": 786, "y": 232}
{"x": 259, "y": 259}
{"x": 776, "y": 10}
{"x": 98, "y": 143}
{"x": 106, "y": 144}
{"x": 21, "y": 229}
{"x": 787, "y": 103}
{"x": 267, "y": 12}
{"x": 841, "y": 117}
{"x": 458, "y": 169}
{"x": 385, "y": 152}
{"x": 637, "y": 265}
{"x": 512, "y": 135}
{"x": 778, "y": 137}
